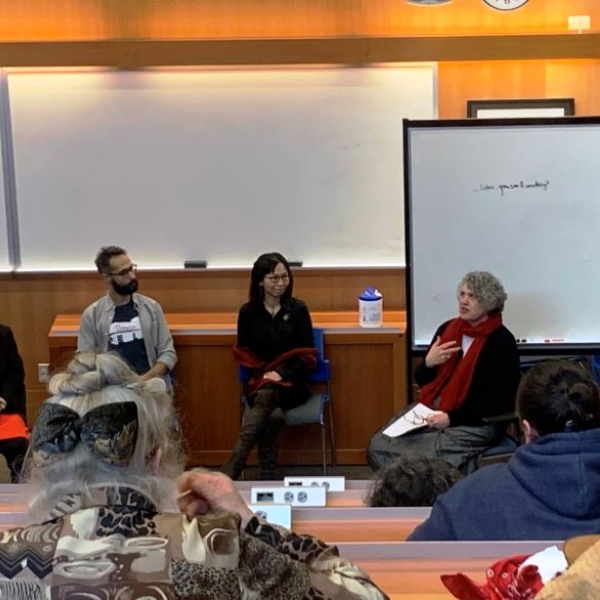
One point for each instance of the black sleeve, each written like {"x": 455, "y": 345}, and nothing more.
{"x": 295, "y": 369}
{"x": 494, "y": 384}
{"x": 12, "y": 374}
{"x": 244, "y": 330}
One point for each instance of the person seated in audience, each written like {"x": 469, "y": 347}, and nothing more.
{"x": 549, "y": 488}
{"x": 14, "y": 434}
{"x": 414, "y": 481}
{"x": 102, "y": 466}
{"x": 469, "y": 374}
{"x": 275, "y": 340}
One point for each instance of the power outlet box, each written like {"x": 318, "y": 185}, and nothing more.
{"x": 277, "y": 514}
{"x": 294, "y": 496}
{"x": 43, "y": 372}
{"x": 331, "y": 484}
{"x": 580, "y": 23}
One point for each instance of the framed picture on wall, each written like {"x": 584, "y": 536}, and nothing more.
{"x": 526, "y": 108}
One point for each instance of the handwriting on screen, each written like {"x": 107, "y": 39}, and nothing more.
{"x": 505, "y": 188}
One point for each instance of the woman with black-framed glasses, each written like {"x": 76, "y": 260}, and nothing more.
{"x": 275, "y": 341}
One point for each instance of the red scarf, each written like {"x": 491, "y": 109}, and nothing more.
{"x": 453, "y": 378}
{"x": 506, "y": 580}
{"x": 247, "y": 359}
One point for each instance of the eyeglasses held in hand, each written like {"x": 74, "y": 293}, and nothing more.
{"x": 415, "y": 419}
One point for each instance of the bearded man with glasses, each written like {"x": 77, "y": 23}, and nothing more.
{"x": 127, "y": 322}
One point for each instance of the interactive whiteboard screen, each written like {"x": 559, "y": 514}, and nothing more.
{"x": 215, "y": 165}
{"x": 519, "y": 199}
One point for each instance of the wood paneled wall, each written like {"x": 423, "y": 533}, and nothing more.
{"x": 29, "y": 302}
{"x": 192, "y": 19}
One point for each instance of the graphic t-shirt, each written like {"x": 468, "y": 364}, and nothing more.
{"x": 126, "y": 337}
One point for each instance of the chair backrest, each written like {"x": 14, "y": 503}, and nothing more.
{"x": 595, "y": 366}
{"x": 318, "y": 339}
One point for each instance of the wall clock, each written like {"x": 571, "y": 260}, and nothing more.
{"x": 506, "y": 4}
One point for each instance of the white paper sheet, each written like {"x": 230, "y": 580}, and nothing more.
{"x": 413, "y": 419}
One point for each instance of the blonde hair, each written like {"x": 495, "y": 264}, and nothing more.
{"x": 93, "y": 380}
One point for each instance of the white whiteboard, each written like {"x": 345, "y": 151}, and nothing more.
{"x": 539, "y": 234}
{"x": 215, "y": 165}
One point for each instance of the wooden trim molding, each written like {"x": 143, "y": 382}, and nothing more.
{"x": 359, "y": 50}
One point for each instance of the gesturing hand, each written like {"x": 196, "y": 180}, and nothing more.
{"x": 440, "y": 353}
{"x": 210, "y": 491}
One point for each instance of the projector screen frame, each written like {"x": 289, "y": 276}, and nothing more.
{"x": 529, "y": 349}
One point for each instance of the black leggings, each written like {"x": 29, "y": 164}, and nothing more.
{"x": 14, "y": 450}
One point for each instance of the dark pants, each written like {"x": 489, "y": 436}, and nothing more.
{"x": 460, "y": 446}
{"x": 14, "y": 450}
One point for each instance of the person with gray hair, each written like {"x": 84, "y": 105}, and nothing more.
{"x": 103, "y": 466}
{"x": 469, "y": 375}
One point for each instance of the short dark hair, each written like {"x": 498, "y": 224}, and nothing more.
{"x": 105, "y": 254}
{"x": 412, "y": 481}
{"x": 557, "y": 396}
{"x": 264, "y": 265}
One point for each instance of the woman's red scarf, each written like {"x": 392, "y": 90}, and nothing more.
{"x": 247, "y": 359}
{"x": 453, "y": 378}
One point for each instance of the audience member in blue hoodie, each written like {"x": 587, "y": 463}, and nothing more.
{"x": 550, "y": 487}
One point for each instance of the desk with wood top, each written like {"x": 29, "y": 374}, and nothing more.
{"x": 368, "y": 382}
{"x": 403, "y": 570}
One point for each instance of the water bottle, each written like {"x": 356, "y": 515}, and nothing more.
{"x": 370, "y": 308}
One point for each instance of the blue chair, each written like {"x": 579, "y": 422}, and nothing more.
{"x": 314, "y": 410}
{"x": 504, "y": 449}
{"x": 595, "y": 367}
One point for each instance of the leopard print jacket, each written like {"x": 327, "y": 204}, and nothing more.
{"x": 116, "y": 545}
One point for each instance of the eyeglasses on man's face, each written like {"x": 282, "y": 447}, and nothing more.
{"x": 277, "y": 278}
{"x": 130, "y": 269}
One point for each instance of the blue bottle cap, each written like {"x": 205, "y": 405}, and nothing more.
{"x": 370, "y": 294}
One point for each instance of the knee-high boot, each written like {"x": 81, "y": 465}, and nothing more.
{"x": 255, "y": 419}
{"x": 267, "y": 444}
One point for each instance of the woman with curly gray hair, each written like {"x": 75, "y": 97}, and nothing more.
{"x": 103, "y": 465}
{"x": 469, "y": 375}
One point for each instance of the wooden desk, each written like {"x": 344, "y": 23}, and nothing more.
{"x": 368, "y": 382}
{"x": 405, "y": 571}
{"x": 412, "y": 570}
